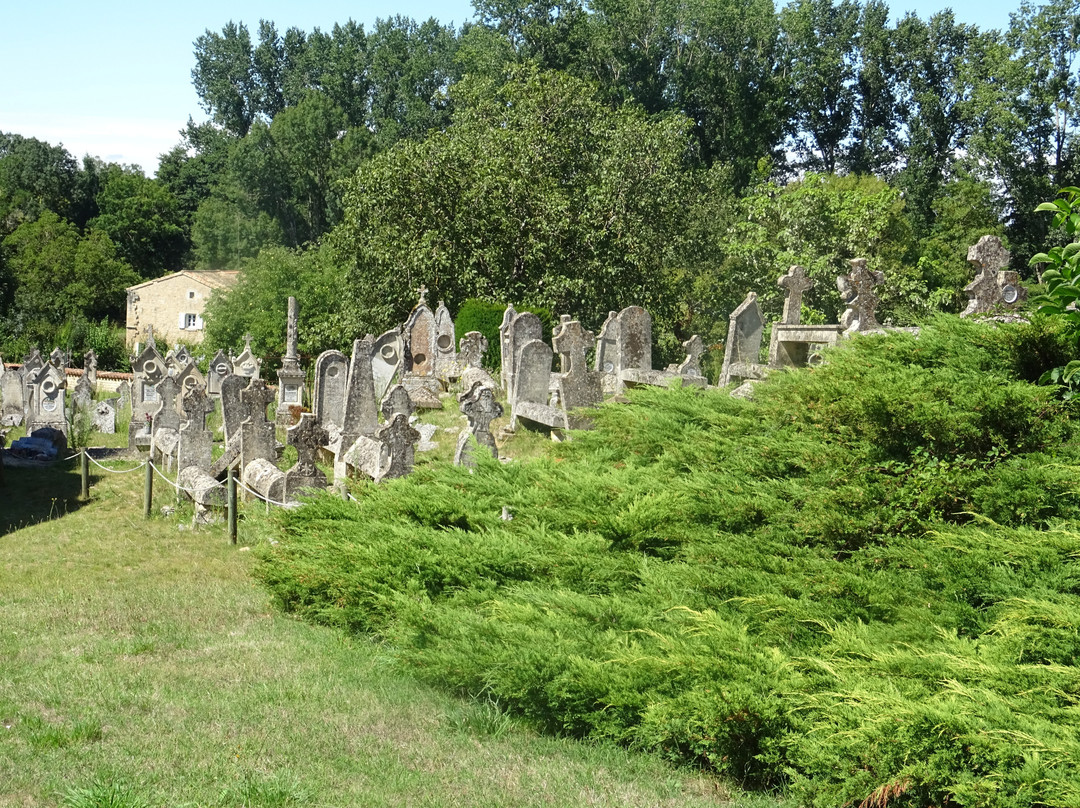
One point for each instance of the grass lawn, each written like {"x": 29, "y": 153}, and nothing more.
{"x": 143, "y": 667}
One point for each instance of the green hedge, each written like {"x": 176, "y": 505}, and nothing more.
{"x": 485, "y": 317}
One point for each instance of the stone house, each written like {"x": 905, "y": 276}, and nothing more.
{"x": 173, "y": 304}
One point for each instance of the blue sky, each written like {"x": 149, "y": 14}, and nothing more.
{"x": 113, "y": 79}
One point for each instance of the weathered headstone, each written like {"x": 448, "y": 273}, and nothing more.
{"x": 446, "y": 364}
{"x": 90, "y": 364}
{"x": 471, "y": 350}
{"x": 743, "y": 348}
{"x": 46, "y": 405}
{"x": 32, "y": 363}
{"x": 123, "y": 397}
{"x": 12, "y": 391}
{"x": 103, "y": 417}
{"x": 578, "y": 386}
{"x": 400, "y": 440}
{"x": 148, "y": 369}
{"x": 795, "y": 284}
{"x": 633, "y": 337}
{"x": 59, "y": 359}
{"x": 247, "y": 364}
{"x": 531, "y": 384}
{"x": 387, "y": 357}
{"x": 166, "y": 421}
{"x": 220, "y": 367}
{"x": 308, "y": 437}
{"x": 994, "y": 286}
{"x": 521, "y": 328}
{"x": 604, "y": 357}
{"x": 256, "y": 432}
{"x": 397, "y": 401}
{"x": 196, "y": 442}
{"x": 290, "y": 376}
{"x": 361, "y": 416}
{"x": 189, "y": 377}
{"x": 481, "y": 408}
{"x": 331, "y": 383}
{"x": 857, "y": 288}
{"x": 691, "y": 366}
{"x": 83, "y": 393}
{"x": 232, "y": 411}
{"x": 420, "y": 341}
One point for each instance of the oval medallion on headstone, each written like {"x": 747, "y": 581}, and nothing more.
{"x": 444, "y": 342}
{"x": 1009, "y": 293}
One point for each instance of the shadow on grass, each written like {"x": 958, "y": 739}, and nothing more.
{"x": 37, "y": 492}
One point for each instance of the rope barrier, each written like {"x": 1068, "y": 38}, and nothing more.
{"x": 260, "y": 496}
{"x": 115, "y": 471}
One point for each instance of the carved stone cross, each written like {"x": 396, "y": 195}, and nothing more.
{"x": 307, "y": 436}
{"x": 857, "y": 289}
{"x": 795, "y": 283}
{"x": 481, "y": 408}
{"x": 400, "y": 440}
{"x": 422, "y": 291}
{"x": 571, "y": 341}
{"x": 197, "y": 405}
{"x": 247, "y": 341}
{"x": 691, "y": 366}
{"x": 255, "y": 398}
{"x": 167, "y": 416}
{"x": 988, "y": 253}
{"x": 471, "y": 349}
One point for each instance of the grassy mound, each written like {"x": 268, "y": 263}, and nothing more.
{"x": 861, "y": 587}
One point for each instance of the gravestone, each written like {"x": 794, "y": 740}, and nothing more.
{"x": 795, "y": 284}
{"x": 247, "y": 364}
{"x": 165, "y": 428}
{"x": 148, "y": 369}
{"x": 578, "y": 386}
{"x": 290, "y": 376}
{"x": 331, "y": 383}
{"x": 743, "y": 348}
{"x": 308, "y": 437}
{"x": 857, "y": 289}
{"x": 994, "y": 286}
{"x": 123, "y": 397}
{"x": 691, "y": 366}
{"x": 90, "y": 367}
{"x": 791, "y": 342}
{"x": 220, "y": 367}
{"x": 12, "y": 392}
{"x": 196, "y": 442}
{"x": 531, "y": 384}
{"x": 83, "y": 393}
{"x": 420, "y": 341}
{"x": 446, "y": 364}
{"x": 633, "y": 340}
{"x": 61, "y": 360}
{"x": 103, "y": 417}
{"x": 481, "y": 408}
{"x": 189, "y": 377}
{"x": 46, "y": 404}
{"x": 232, "y": 412}
{"x": 400, "y": 440}
{"x": 257, "y": 441}
{"x": 521, "y": 328}
{"x": 397, "y": 401}
{"x": 471, "y": 350}
{"x": 361, "y": 417}
{"x": 387, "y": 357}
{"x": 604, "y": 359}
{"x": 31, "y": 365}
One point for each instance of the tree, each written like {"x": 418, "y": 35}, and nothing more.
{"x": 60, "y": 276}
{"x": 225, "y": 78}
{"x": 34, "y": 178}
{"x": 820, "y": 40}
{"x": 143, "y": 220}
{"x": 536, "y": 193}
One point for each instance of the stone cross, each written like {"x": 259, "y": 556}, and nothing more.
{"x": 90, "y": 366}
{"x": 400, "y": 439}
{"x": 481, "y": 408}
{"x": 59, "y": 359}
{"x": 422, "y": 291}
{"x": 254, "y": 399}
{"x": 993, "y": 285}
{"x": 197, "y": 405}
{"x": 308, "y": 437}
{"x": 150, "y": 337}
{"x": 471, "y": 349}
{"x": 795, "y": 284}
{"x": 857, "y": 289}
{"x": 247, "y": 341}
{"x": 691, "y": 366}
{"x": 572, "y": 341}
{"x": 167, "y": 416}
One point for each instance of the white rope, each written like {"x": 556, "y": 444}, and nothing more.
{"x": 260, "y": 496}
{"x": 162, "y": 476}
{"x": 115, "y": 471}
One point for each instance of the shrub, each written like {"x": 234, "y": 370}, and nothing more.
{"x": 485, "y": 317}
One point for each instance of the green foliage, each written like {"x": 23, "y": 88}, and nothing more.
{"x": 479, "y": 315}
{"x": 104, "y": 794}
{"x": 802, "y": 590}
{"x": 574, "y": 207}
{"x": 1062, "y": 278}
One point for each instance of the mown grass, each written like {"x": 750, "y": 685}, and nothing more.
{"x": 143, "y": 667}
{"x": 863, "y": 587}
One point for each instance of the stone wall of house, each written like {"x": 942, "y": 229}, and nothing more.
{"x": 173, "y": 304}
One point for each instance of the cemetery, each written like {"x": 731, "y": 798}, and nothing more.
{"x": 676, "y": 553}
